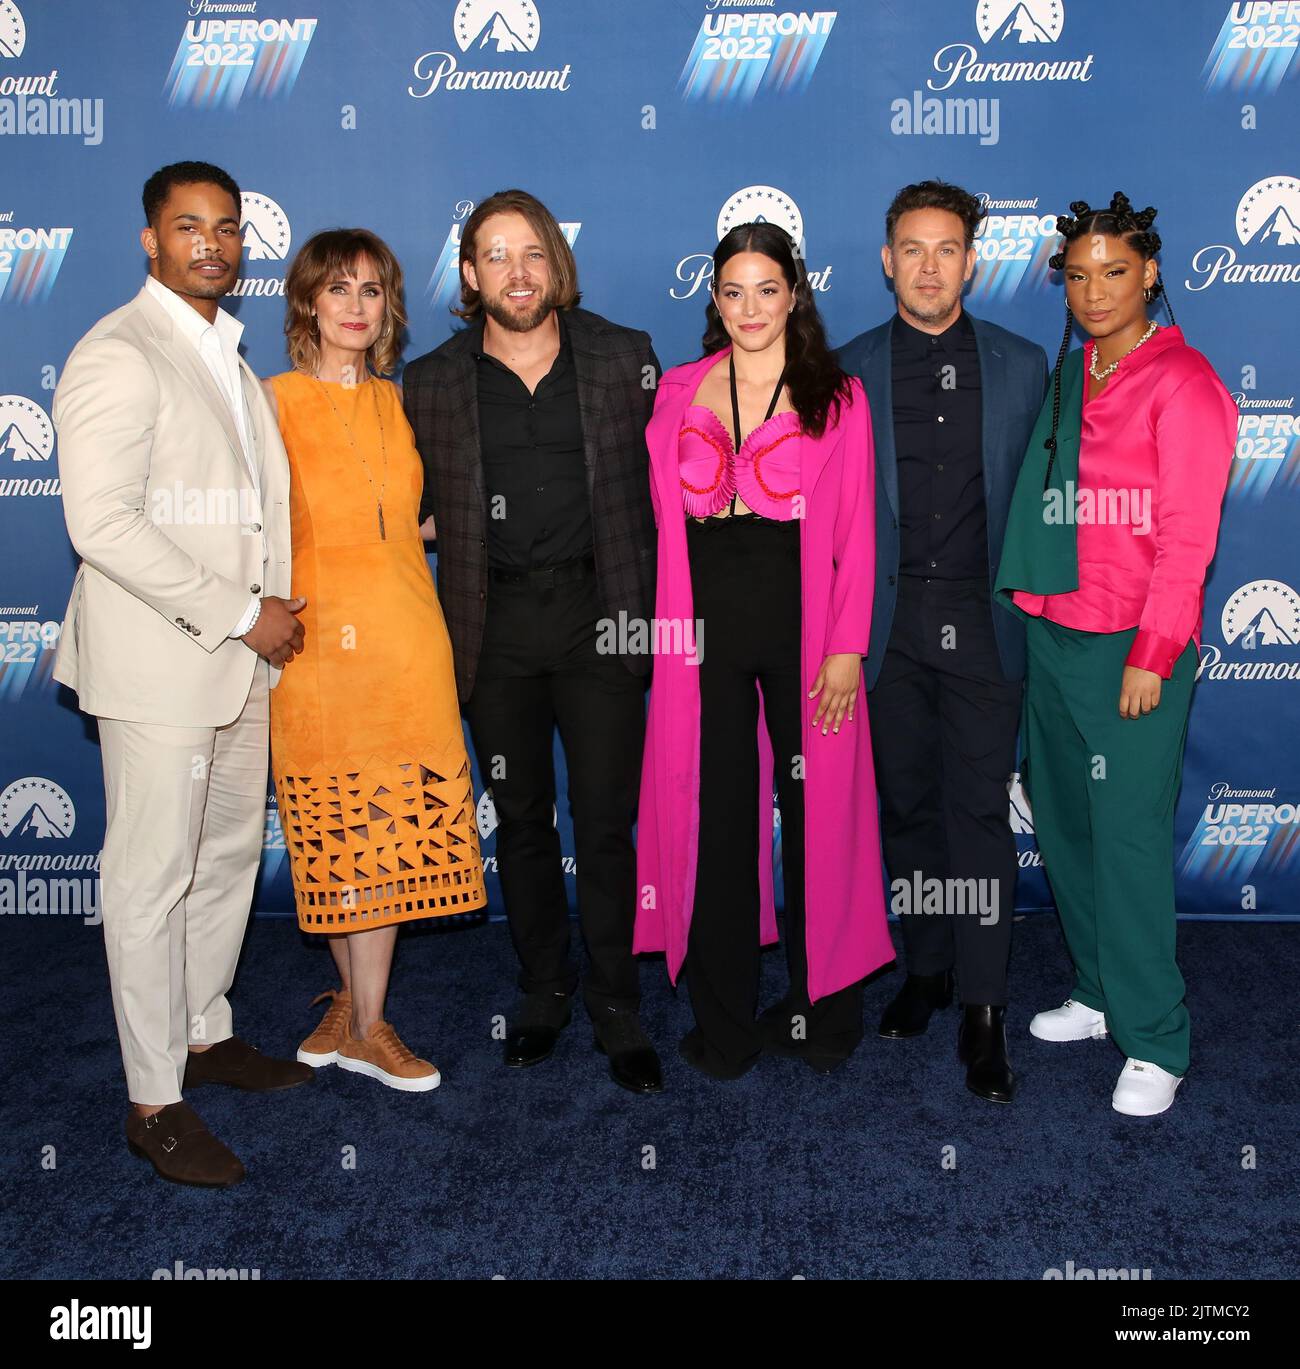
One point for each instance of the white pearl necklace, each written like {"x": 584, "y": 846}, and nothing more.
{"x": 1110, "y": 370}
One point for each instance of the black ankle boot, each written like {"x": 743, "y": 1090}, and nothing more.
{"x": 982, "y": 1048}
{"x": 921, "y": 994}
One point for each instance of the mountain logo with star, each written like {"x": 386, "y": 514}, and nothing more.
{"x": 1268, "y": 214}
{"x": 1263, "y": 613}
{"x": 499, "y": 25}
{"x": 1020, "y": 21}
{"x": 36, "y": 807}
{"x": 26, "y": 433}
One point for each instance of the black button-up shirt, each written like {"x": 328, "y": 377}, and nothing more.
{"x": 943, "y": 530}
{"x": 534, "y": 470}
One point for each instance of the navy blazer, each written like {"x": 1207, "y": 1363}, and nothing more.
{"x": 1013, "y": 383}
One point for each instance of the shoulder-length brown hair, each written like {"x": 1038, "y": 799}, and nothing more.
{"x": 559, "y": 255}
{"x": 329, "y": 256}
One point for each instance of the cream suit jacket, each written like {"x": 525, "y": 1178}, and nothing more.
{"x": 162, "y": 511}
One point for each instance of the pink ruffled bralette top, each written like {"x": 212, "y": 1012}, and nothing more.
{"x": 764, "y": 472}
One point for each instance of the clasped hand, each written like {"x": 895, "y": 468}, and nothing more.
{"x": 277, "y": 636}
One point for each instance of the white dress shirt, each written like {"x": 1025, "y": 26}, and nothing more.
{"x": 218, "y": 347}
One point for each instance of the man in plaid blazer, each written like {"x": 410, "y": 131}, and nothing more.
{"x": 531, "y": 425}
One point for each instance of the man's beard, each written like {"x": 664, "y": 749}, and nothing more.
{"x": 939, "y": 307}
{"x": 188, "y": 282}
{"x": 501, "y": 313}
{"x": 203, "y": 288}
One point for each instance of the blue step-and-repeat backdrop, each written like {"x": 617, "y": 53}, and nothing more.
{"x": 648, "y": 127}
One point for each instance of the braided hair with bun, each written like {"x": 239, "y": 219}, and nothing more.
{"x": 1119, "y": 220}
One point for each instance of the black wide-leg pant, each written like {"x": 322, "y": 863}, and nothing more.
{"x": 745, "y": 585}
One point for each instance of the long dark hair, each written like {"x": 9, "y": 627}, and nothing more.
{"x": 817, "y": 385}
{"x": 1120, "y": 220}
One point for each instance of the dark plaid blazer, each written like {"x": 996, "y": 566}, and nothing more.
{"x": 617, "y": 371}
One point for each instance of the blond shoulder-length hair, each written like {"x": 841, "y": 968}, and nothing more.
{"x": 559, "y": 255}
{"x": 333, "y": 255}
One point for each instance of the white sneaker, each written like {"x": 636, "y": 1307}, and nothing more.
{"x": 1070, "y": 1022}
{"x": 1144, "y": 1089}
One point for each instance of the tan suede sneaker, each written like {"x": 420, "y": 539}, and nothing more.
{"x": 322, "y": 1046}
{"x": 382, "y": 1056}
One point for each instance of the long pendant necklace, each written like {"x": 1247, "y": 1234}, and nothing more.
{"x": 1110, "y": 370}
{"x": 379, "y": 418}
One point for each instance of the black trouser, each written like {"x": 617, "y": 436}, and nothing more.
{"x": 745, "y": 584}
{"x": 943, "y": 729}
{"x": 539, "y": 667}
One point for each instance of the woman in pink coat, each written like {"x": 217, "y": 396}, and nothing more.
{"x": 762, "y": 483}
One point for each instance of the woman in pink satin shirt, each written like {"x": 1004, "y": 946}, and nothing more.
{"x": 1112, "y": 529}
{"x": 762, "y": 483}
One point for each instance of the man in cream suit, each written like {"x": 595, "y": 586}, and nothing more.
{"x": 175, "y": 492}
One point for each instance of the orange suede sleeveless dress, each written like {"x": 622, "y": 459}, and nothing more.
{"x": 376, "y": 800}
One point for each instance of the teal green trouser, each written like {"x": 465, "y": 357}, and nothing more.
{"x": 1102, "y": 790}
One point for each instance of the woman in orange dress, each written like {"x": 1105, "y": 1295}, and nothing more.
{"x": 373, "y": 781}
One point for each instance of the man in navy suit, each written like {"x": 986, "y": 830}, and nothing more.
{"x": 953, "y": 401}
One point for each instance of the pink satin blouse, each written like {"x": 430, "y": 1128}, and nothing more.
{"x": 1155, "y": 450}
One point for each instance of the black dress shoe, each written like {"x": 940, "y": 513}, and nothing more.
{"x": 982, "y": 1048}
{"x": 540, "y": 1019}
{"x": 633, "y": 1063}
{"x": 909, "y": 1013}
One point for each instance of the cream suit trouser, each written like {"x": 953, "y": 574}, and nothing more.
{"x": 186, "y": 814}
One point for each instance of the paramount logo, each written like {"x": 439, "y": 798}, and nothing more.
{"x": 1261, "y": 618}
{"x": 960, "y": 62}
{"x": 257, "y": 285}
{"x": 1268, "y": 227}
{"x": 500, "y": 26}
{"x": 987, "y": 203}
{"x": 14, "y": 445}
{"x": 1006, "y": 27}
{"x": 267, "y": 236}
{"x": 18, "y": 488}
{"x": 439, "y": 71}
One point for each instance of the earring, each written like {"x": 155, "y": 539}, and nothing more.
{"x": 1148, "y": 294}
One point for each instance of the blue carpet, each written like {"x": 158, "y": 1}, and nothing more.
{"x": 554, "y": 1171}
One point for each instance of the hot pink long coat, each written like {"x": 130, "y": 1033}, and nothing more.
{"x": 844, "y": 894}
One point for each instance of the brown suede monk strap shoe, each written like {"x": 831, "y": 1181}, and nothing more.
{"x": 242, "y": 1066}
{"x": 181, "y": 1149}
